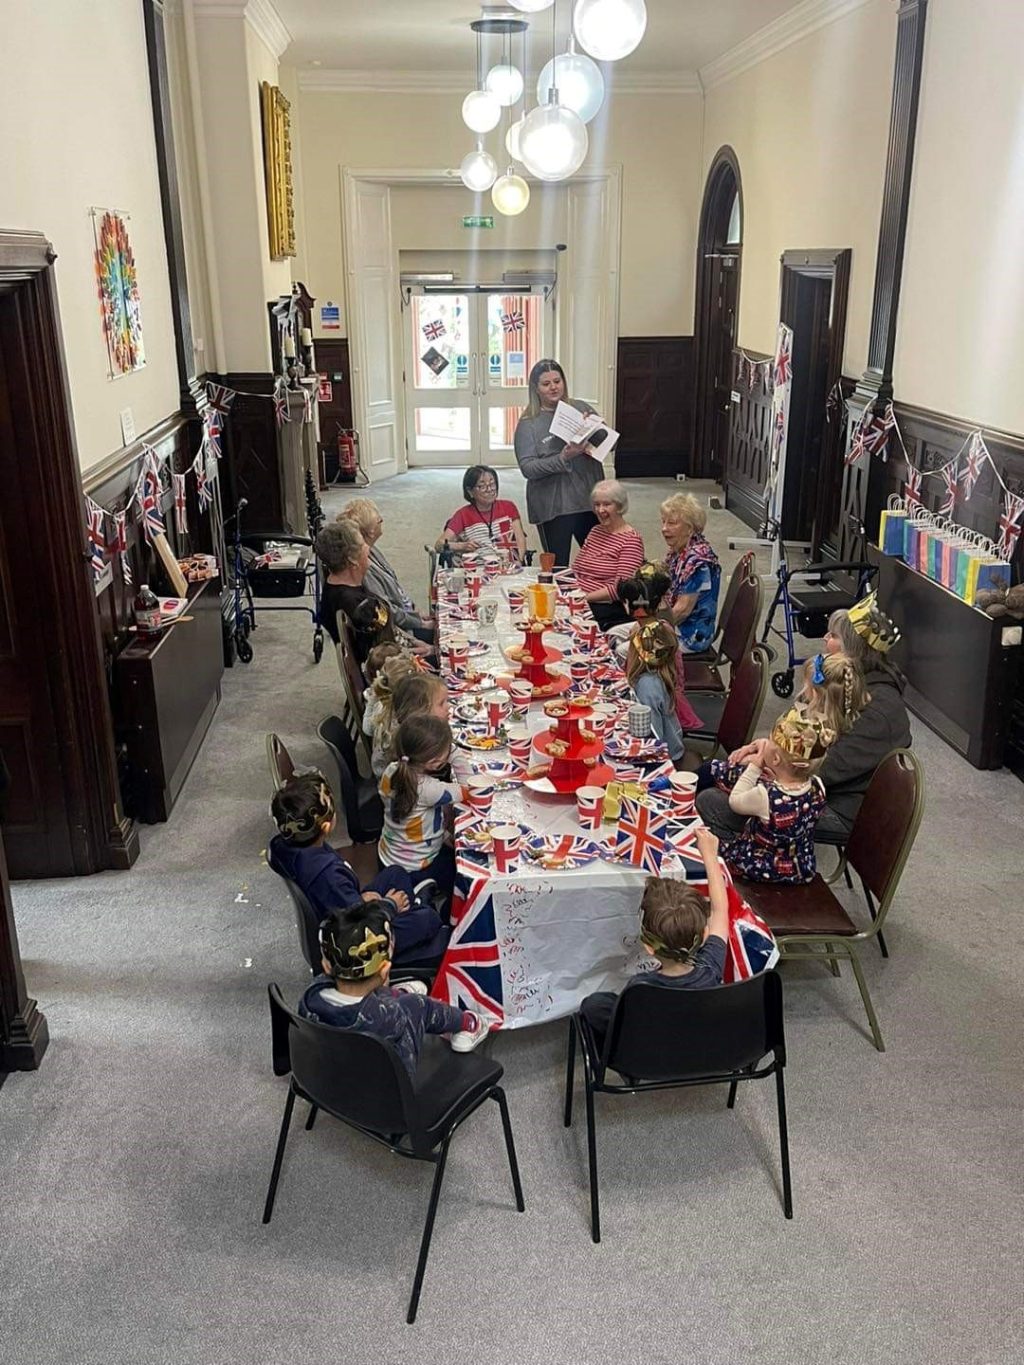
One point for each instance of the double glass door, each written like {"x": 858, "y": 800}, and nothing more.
{"x": 466, "y": 365}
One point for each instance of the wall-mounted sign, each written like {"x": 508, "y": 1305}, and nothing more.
{"x": 462, "y": 366}
{"x": 330, "y": 317}
{"x": 494, "y": 365}
{"x": 473, "y": 220}
{"x": 515, "y": 365}
{"x": 324, "y": 390}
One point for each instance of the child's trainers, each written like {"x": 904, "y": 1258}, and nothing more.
{"x": 411, "y": 987}
{"x": 466, "y": 1040}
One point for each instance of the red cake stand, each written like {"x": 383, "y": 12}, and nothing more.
{"x": 575, "y": 755}
{"x": 533, "y": 664}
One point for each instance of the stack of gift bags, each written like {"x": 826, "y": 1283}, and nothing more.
{"x": 962, "y": 560}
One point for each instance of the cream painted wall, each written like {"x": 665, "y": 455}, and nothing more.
{"x": 962, "y": 310}
{"x": 810, "y": 127}
{"x": 429, "y": 218}
{"x": 277, "y": 275}
{"x": 76, "y": 131}
{"x": 655, "y": 138}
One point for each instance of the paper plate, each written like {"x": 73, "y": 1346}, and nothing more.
{"x": 480, "y": 740}
{"x": 483, "y": 682}
{"x": 475, "y": 835}
{"x": 556, "y": 854}
{"x": 617, "y": 745}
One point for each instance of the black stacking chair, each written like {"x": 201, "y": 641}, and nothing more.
{"x": 361, "y": 1081}
{"x": 663, "y": 1039}
{"x": 364, "y": 813}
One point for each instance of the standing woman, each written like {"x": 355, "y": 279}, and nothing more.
{"x": 559, "y": 477}
{"x": 694, "y": 570}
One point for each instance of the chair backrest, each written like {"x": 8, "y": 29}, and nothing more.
{"x": 352, "y": 691}
{"x": 748, "y": 684}
{"x": 744, "y": 569}
{"x": 660, "y": 1034}
{"x": 738, "y": 630}
{"x": 280, "y": 760}
{"x": 353, "y": 673}
{"x": 364, "y": 823}
{"x": 356, "y": 1077}
{"x": 307, "y": 924}
{"x": 886, "y": 826}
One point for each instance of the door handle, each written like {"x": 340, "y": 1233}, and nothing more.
{"x": 476, "y": 377}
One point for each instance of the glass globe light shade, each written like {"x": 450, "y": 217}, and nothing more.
{"x": 510, "y": 193}
{"x": 531, "y": 6}
{"x": 578, "y": 81}
{"x": 609, "y": 29}
{"x": 505, "y": 82}
{"x": 481, "y": 111}
{"x": 553, "y": 141}
{"x": 512, "y": 140}
{"x": 478, "y": 170}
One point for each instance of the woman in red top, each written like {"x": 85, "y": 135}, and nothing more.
{"x": 488, "y": 522}
{"x": 611, "y": 551}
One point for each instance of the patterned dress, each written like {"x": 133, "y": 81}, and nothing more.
{"x": 695, "y": 570}
{"x": 781, "y": 849}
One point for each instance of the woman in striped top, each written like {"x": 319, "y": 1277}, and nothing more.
{"x": 611, "y": 551}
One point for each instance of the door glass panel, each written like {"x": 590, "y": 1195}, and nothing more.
{"x": 513, "y": 338}
{"x": 501, "y": 427}
{"x": 440, "y": 341}
{"x": 443, "y": 429}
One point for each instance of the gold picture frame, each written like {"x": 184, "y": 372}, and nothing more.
{"x": 277, "y": 166}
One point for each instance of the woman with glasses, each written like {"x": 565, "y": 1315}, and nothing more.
{"x": 487, "y": 522}
{"x": 559, "y": 477}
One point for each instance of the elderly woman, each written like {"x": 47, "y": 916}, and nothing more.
{"x": 380, "y": 578}
{"x": 612, "y": 550}
{"x": 694, "y": 570}
{"x": 345, "y": 557}
{"x": 487, "y": 523}
{"x": 559, "y": 477}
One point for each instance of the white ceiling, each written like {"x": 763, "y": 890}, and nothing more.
{"x": 434, "y": 35}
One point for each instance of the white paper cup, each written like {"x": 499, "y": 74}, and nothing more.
{"x": 521, "y": 691}
{"x": 480, "y": 791}
{"x": 683, "y": 791}
{"x": 507, "y": 841}
{"x": 590, "y": 806}
{"x": 498, "y": 707}
{"x": 458, "y": 657}
{"x": 520, "y": 745}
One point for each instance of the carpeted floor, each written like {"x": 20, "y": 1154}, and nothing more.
{"x": 137, "y": 1158}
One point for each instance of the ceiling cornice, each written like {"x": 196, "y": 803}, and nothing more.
{"x": 418, "y": 82}
{"x": 803, "y": 19}
{"x": 260, "y": 15}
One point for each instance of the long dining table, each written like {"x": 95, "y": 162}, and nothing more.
{"x": 527, "y": 945}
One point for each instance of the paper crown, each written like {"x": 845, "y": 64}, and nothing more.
{"x": 652, "y": 643}
{"x": 357, "y": 959}
{"x": 872, "y": 624}
{"x": 801, "y": 737}
{"x": 305, "y": 826}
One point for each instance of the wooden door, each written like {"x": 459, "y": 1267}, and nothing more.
{"x": 722, "y": 341}
{"x": 335, "y": 403}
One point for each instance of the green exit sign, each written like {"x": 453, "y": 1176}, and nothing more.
{"x": 471, "y": 220}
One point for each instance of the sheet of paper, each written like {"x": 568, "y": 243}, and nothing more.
{"x": 597, "y": 450}
{"x": 572, "y": 426}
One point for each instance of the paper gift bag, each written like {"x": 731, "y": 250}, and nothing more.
{"x": 892, "y": 531}
{"x": 911, "y": 532}
{"x": 986, "y": 572}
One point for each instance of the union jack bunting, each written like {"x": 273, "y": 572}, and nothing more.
{"x": 640, "y": 838}
{"x": 180, "y": 511}
{"x": 1010, "y": 524}
{"x": 912, "y": 487}
{"x": 220, "y": 397}
{"x": 512, "y": 322}
{"x": 97, "y": 540}
{"x": 834, "y": 403}
{"x": 433, "y": 331}
{"x": 784, "y": 358}
{"x": 949, "y": 478}
{"x": 470, "y": 975}
{"x": 977, "y": 454}
{"x": 121, "y": 546}
{"x": 152, "y": 521}
{"x": 213, "y": 428}
{"x": 281, "y": 405}
{"x": 203, "y": 490}
{"x": 876, "y": 434}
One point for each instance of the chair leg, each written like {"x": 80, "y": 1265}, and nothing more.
{"x": 595, "y": 1212}
{"x": 510, "y": 1147}
{"x": 428, "y": 1231}
{"x": 833, "y": 962}
{"x": 787, "y": 1188}
{"x": 882, "y": 945}
{"x": 731, "y": 1101}
{"x": 876, "y": 1032}
{"x": 313, "y": 1111}
{"x": 570, "y": 1074}
{"x": 846, "y": 874}
{"x": 282, "y": 1138}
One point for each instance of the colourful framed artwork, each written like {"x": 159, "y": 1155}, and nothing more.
{"x": 118, "y": 286}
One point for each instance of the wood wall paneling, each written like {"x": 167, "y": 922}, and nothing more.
{"x": 332, "y": 362}
{"x": 746, "y": 467}
{"x": 251, "y": 468}
{"x": 654, "y": 406}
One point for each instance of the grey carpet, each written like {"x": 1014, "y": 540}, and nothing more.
{"x": 137, "y": 1158}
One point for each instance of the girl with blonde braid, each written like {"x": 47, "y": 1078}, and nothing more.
{"x": 379, "y": 715}
{"x": 834, "y": 690}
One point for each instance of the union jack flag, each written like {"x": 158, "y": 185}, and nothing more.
{"x": 784, "y": 358}
{"x": 121, "y": 546}
{"x": 97, "y": 540}
{"x": 641, "y": 836}
{"x": 512, "y": 322}
{"x": 751, "y": 946}
{"x": 470, "y": 973}
{"x": 1010, "y": 524}
{"x": 180, "y": 511}
{"x": 281, "y": 405}
{"x": 977, "y": 454}
{"x": 213, "y": 428}
{"x": 203, "y": 490}
{"x": 220, "y": 397}
{"x": 152, "y": 521}
{"x": 912, "y": 487}
{"x": 949, "y": 478}
{"x": 433, "y": 331}
{"x": 876, "y": 432}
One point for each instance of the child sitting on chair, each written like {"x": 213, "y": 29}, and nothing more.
{"x": 685, "y": 931}
{"x": 358, "y": 950}
{"x": 419, "y": 792}
{"x": 779, "y": 792}
{"x": 303, "y": 810}
{"x": 379, "y": 714}
{"x": 834, "y": 690}
{"x": 642, "y": 596}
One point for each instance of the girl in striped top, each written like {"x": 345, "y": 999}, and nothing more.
{"x": 419, "y": 795}
{"x": 611, "y": 551}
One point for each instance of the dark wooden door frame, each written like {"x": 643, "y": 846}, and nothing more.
{"x": 832, "y": 264}
{"x": 722, "y": 184}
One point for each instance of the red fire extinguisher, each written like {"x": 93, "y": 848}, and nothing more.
{"x": 348, "y": 455}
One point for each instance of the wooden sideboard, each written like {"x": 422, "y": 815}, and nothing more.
{"x": 166, "y": 689}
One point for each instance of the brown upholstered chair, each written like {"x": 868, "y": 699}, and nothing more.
{"x": 737, "y": 637}
{"x": 352, "y": 687}
{"x": 740, "y": 713}
{"x": 744, "y": 568}
{"x": 809, "y": 921}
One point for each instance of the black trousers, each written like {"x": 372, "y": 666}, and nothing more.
{"x": 556, "y": 535}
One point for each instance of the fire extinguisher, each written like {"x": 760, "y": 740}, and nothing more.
{"x": 348, "y": 455}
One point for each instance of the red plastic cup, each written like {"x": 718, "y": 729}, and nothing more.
{"x": 590, "y": 806}
{"x": 520, "y": 745}
{"x": 507, "y": 842}
{"x": 480, "y": 791}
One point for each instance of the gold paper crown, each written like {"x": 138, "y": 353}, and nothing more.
{"x": 872, "y": 624}
{"x": 652, "y": 644}
{"x": 358, "y": 961}
{"x": 801, "y": 737}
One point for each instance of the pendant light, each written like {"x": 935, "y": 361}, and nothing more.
{"x": 505, "y": 82}
{"x": 510, "y": 193}
{"x": 609, "y": 29}
{"x": 553, "y": 138}
{"x": 478, "y": 170}
{"x": 512, "y": 140}
{"x": 577, "y": 79}
{"x": 480, "y": 109}
{"x": 530, "y": 6}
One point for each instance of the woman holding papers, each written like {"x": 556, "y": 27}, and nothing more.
{"x": 559, "y": 473}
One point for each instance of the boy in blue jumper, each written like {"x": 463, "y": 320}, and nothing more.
{"x": 303, "y": 810}
{"x": 357, "y": 946}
